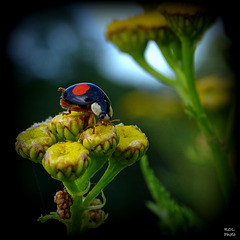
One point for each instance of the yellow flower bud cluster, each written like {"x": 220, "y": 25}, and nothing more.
{"x": 71, "y": 151}
{"x": 53, "y": 143}
{"x": 67, "y": 147}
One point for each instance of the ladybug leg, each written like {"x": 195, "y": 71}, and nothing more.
{"x": 91, "y": 119}
{"x": 93, "y": 129}
{"x": 90, "y": 122}
{"x": 66, "y": 113}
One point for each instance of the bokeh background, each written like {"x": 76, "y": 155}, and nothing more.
{"x": 48, "y": 45}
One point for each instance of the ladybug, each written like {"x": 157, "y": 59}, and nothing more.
{"x": 89, "y": 97}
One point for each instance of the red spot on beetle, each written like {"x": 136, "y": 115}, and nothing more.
{"x": 80, "y": 89}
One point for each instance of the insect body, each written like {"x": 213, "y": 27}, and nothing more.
{"x": 87, "y": 96}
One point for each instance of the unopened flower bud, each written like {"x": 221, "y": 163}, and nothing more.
{"x": 96, "y": 202}
{"x": 132, "y": 145}
{"x": 100, "y": 140}
{"x": 63, "y": 200}
{"x": 132, "y": 35}
{"x": 63, "y": 213}
{"x": 187, "y": 19}
{"x": 96, "y": 218}
{"x": 66, "y": 161}
{"x": 33, "y": 142}
{"x": 69, "y": 126}
{"x": 126, "y": 37}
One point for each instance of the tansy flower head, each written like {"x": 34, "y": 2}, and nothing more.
{"x": 66, "y": 161}
{"x": 215, "y": 92}
{"x": 69, "y": 126}
{"x": 126, "y": 36}
{"x": 132, "y": 35}
{"x": 100, "y": 140}
{"x": 182, "y": 9}
{"x": 132, "y": 145}
{"x": 33, "y": 142}
{"x": 186, "y": 19}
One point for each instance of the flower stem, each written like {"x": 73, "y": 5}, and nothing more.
{"x": 188, "y": 47}
{"x": 111, "y": 172}
{"x": 143, "y": 63}
{"x": 96, "y": 164}
{"x": 71, "y": 187}
{"x": 194, "y": 109}
{"x": 74, "y": 226}
{"x": 172, "y": 62}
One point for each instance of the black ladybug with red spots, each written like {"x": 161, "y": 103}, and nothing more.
{"x": 87, "y": 96}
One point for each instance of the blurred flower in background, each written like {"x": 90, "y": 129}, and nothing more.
{"x": 56, "y": 43}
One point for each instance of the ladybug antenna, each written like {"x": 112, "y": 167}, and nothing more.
{"x": 61, "y": 89}
{"x": 115, "y": 120}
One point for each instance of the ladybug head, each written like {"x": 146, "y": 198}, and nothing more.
{"x": 102, "y": 109}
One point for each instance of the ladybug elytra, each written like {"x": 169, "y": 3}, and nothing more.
{"x": 87, "y": 96}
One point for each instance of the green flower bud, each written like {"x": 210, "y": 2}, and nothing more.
{"x": 187, "y": 20}
{"x": 96, "y": 216}
{"x": 132, "y": 145}
{"x": 66, "y": 161}
{"x": 101, "y": 140}
{"x": 69, "y": 126}
{"x": 33, "y": 143}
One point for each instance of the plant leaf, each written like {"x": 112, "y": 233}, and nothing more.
{"x": 174, "y": 218}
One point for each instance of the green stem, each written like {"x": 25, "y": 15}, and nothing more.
{"x": 77, "y": 210}
{"x": 143, "y": 63}
{"x": 111, "y": 172}
{"x": 195, "y": 109}
{"x": 71, "y": 187}
{"x": 172, "y": 62}
{"x": 76, "y": 190}
{"x": 96, "y": 164}
{"x": 230, "y": 127}
{"x": 188, "y": 47}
